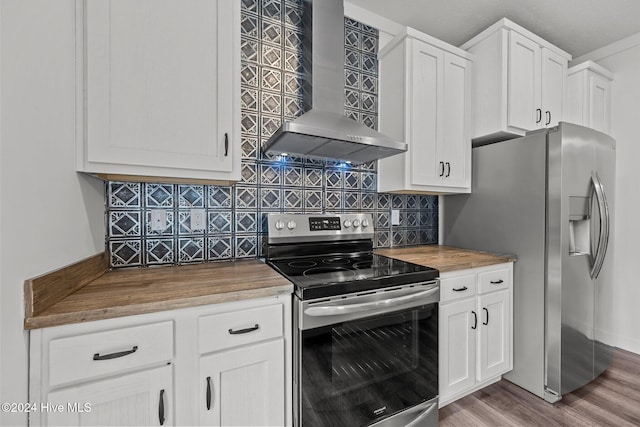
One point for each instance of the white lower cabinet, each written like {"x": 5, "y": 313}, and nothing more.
{"x": 457, "y": 347}
{"x": 475, "y": 332}
{"x": 221, "y": 365}
{"x": 243, "y": 387}
{"x": 142, "y": 398}
{"x": 494, "y": 334}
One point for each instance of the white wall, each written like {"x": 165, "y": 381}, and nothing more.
{"x": 623, "y": 59}
{"x": 49, "y": 215}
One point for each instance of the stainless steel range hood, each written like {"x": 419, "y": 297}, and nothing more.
{"x": 324, "y": 132}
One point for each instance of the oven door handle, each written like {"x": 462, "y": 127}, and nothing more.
{"x": 337, "y": 310}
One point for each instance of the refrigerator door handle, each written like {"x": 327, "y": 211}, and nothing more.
{"x": 603, "y": 210}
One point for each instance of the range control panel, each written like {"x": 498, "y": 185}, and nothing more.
{"x": 320, "y": 227}
{"x": 326, "y": 223}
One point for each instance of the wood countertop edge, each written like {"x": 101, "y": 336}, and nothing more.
{"x": 466, "y": 266}
{"x": 431, "y": 256}
{"x": 47, "y": 320}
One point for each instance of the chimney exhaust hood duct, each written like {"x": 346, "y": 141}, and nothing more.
{"x": 324, "y": 132}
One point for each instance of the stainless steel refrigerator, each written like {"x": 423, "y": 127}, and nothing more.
{"x": 548, "y": 198}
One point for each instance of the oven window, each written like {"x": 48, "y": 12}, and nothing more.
{"x": 358, "y": 372}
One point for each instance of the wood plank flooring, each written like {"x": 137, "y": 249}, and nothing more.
{"x": 612, "y": 399}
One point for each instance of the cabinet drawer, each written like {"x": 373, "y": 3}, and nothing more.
{"x": 225, "y": 330}
{"x": 457, "y": 287}
{"x": 97, "y": 354}
{"x": 493, "y": 280}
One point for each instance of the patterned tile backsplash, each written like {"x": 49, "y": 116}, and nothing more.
{"x": 271, "y": 91}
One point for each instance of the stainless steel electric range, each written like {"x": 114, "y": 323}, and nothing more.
{"x": 365, "y": 325}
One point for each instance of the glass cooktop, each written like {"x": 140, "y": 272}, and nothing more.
{"x": 323, "y": 276}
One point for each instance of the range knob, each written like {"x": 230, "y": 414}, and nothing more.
{"x": 291, "y": 224}
{"x": 279, "y": 224}
{"x": 347, "y": 223}
{"x": 365, "y": 223}
{"x": 356, "y": 223}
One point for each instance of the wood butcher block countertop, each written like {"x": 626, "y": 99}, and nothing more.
{"x": 123, "y": 292}
{"x": 445, "y": 258}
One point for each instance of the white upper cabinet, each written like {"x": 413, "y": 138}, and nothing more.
{"x": 519, "y": 82}
{"x": 161, "y": 89}
{"x": 589, "y": 97}
{"x": 424, "y": 101}
{"x": 524, "y": 84}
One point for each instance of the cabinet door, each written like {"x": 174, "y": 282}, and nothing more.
{"x": 599, "y": 103}
{"x": 455, "y": 149}
{"x": 426, "y": 114}
{"x": 243, "y": 387}
{"x": 141, "y": 398}
{"x": 523, "y": 104}
{"x": 494, "y": 334}
{"x": 554, "y": 83}
{"x": 457, "y": 346}
{"x": 159, "y": 83}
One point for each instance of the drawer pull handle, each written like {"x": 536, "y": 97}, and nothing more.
{"x": 115, "y": 355}
{"x": 464, "y": 288}
{"x": 208, "y": 393}
{"x": 475, "y": 321}
{"x": 245, "y": 330}
{"x": 161, "y": 408}
{"x": 496, "y": 282}
{"x": 487, "y": 312}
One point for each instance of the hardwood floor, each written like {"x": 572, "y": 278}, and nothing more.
{"x": 612, "y": 399}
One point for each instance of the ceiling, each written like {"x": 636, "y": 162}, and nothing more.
{"x": 576, "y": 26}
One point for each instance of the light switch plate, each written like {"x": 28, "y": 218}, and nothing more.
{"x": 197, "y": 219}
{"x": 158, "y": 219}
{"x": 395, "y": 217}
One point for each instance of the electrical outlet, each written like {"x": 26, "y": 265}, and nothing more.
{"x": 197, "y": 219}
{"x": 158, "y": 219}
{"x": 395, "y": 217}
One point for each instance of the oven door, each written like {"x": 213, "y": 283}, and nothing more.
{"x": 368, "y": 359}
